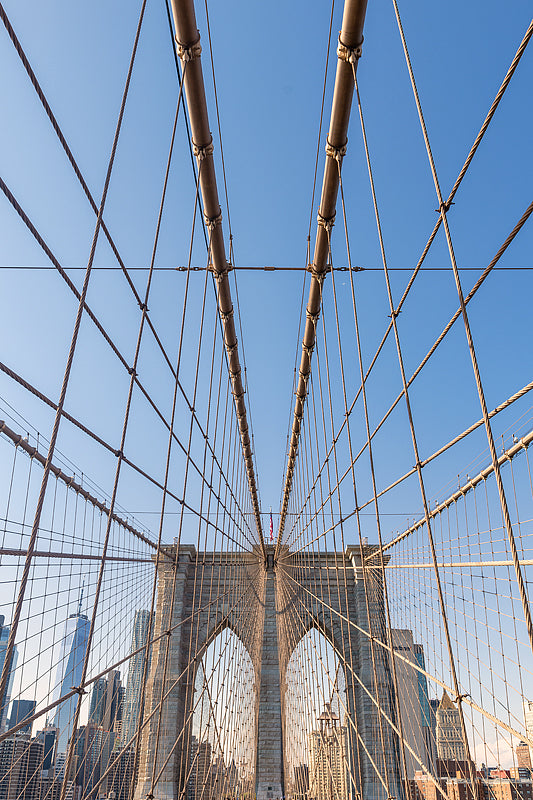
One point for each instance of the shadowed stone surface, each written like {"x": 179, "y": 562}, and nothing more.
{"x": 269, "y": 769}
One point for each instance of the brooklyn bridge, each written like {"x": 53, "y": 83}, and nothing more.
{"x": 265, "y": 413}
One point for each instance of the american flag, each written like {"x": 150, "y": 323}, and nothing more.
{"x": 271, "y": 528}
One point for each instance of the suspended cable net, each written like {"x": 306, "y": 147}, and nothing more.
{"x": 154, "y": 643}
{"x": 97, "y": 641}
{"x": 428, "y": 624}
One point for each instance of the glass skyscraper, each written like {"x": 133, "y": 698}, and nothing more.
{"x": 20, "y": 711}
{"x": 425, "y": 710}
{"x": 69, "y": 670}
{"x": 132, "y": 699}
{"x": 4, "y": 701}
{"x": 106, "y": 702}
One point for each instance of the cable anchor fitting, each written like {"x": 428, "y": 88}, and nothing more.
{"x": 225, "y": 272}
{"x": 444, "y": 207}
{"x": 189, "y": 52}
{"x": 308, "y": 349}
{"x": 326, "y": 223}
{"x": 212, "y": 222}
{"x": 319, "y": 275}
{"x": 349, "y": 54}
{"x": 312, "y": 317}
{"x": 220, "y": 274}
{"x": 226, "y": 315}
{"x": 337, "y": 153}
{"x": 202, "y": 151}
{"x": 231, "y": 348}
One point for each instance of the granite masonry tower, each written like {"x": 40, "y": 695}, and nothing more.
{"x": 248, "y": 597}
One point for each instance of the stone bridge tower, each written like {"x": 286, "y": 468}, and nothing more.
{"x": 198, "y": 597}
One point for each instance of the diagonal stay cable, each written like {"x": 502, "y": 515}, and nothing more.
{"x": 20, "y": 211}
{"x": 507, "y": 456}
{"x": 315, "y": 175}
{"x": 490, "y": 114}
{"x": 414, "y": 441}
{"x": 68, "y": 478}
{"x": 34, "y": 453}
{"x": 157, "y": 707}
{"x": 72, "y": 349}
{"x": 83, "y": 183}
{"x": 106, "y": 671}
{"x": 443, "y": 210}
{"x": 77, "y": 171}
{"x": 501, "y": 407}
{"x": 386, "y": 602}
{"x": 412, "y": 664}
{"x": 488, "y": 269}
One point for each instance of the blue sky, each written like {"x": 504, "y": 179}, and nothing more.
{"x": 269, "y": 61}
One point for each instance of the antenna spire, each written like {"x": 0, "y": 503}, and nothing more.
{"x": 81, "y": 596}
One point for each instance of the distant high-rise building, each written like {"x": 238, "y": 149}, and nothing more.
{"x": 191, "y": 784}
{"x": 51, "y": 784}
{"x": 202, "y": 778}
{"x": 69, "y": 672}
{"x": 528, "y": 719}
{"x": 409, "y": 695}
{"x": 425, "y": 710}
{"x": 433, "y": 706}
{"x": 220, "y": 780}
{"x": 48, "y": 737}
{"x": 121, "y": 776}
{"x": 523, "y": 755}
{"x": 204, "y": 771}
{"x": 132, "y": 697}
{"x": 93, "y": 749}
{"x": 4, "y": 701}
{"x": 97, "y": 701}
{"x": 450, "y": 744}
{"x": 521, "y": 774}
{"x": 232, "y": 780}
{"x": 106, "y": 706}
{"x": 20, "y": 767}
{"x": 301, "y": 782}
{"x": 328, "y": 759}
{"x": 21, "y": 710}
{"x": 119, "y": 714}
